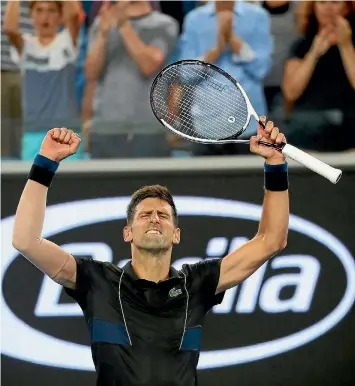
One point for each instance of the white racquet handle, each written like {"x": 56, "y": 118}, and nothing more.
{"x": 312, "y": 163}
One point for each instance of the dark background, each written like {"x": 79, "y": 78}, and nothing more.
{"x": 326, "y": 361}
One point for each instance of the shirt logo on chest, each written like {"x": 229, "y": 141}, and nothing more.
{"x": 175, "y": 292}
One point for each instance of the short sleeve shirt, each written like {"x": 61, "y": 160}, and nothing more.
{"x": 141, "y": 332}
{"x": 49, "y": 79}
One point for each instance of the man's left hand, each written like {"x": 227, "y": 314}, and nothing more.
{"x": 270, "y": 134}
{"x": 227, "y": 19}
{"x": 119, "y": 12}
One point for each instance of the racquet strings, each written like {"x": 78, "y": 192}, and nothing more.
{"x": 200, "y": 102}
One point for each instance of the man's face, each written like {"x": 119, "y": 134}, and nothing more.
{"x": 46, "y": 18}
{"x": 152, "y": 228}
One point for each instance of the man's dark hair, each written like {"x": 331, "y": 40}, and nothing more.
{"x": 151, "y": 191}
{"x": 59, "y": 4}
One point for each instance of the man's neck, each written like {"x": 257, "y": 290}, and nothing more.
{"x": 149, "y": 267}
{"x": 222, "y": 6}
{"x": 46, "y": 40}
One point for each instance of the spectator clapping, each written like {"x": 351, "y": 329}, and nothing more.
{"x": 319, "y": 77}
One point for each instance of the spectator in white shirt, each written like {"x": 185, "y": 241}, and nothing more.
{"x": 47, "y": 60}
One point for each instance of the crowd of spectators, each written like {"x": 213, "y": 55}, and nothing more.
{"x": 89, "y": 65}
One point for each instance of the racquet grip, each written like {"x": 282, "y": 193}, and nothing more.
{"x": 312, "y": 163}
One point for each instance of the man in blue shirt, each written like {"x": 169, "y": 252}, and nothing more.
{"x": 236, "y": 37}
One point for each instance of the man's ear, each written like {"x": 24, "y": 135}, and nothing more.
{"x": 176, "y": 236}
{"x": 127, "y": 234}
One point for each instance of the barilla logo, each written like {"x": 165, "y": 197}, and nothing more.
{"x": 287, "y": 286}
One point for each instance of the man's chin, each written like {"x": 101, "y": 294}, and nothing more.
{"x": 153, "y": 247}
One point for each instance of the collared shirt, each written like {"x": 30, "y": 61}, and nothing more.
{"x": 251, "y": 24}
{"x": 145, "y": 333}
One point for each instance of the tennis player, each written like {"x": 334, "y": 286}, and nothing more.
{"x": 145, "y": 319}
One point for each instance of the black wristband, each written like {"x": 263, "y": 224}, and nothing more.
{"x": 43, "y": 170}
{"x": 41, "y": 175}
{"x": 276, "y": 177}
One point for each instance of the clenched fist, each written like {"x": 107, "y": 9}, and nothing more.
{"x": 59, "y": 144}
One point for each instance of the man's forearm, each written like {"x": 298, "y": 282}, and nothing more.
{"x": 71, "y": 10}
{"x": 270, "y": 239}
{"x": 212, "y": 55}
{"x": 236, "y": 44}
{"x": 27, "y": 237}
{"x": 147, "y": 58}
{"x": 12, "y": 17}
{"x": 71, "y": 16}
{"x": 347, "y": 53}
{"x": 96, "y": 57}
{"x": 273, "y": 227}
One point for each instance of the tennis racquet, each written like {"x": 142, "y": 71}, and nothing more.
{"x": 200, "y": 102}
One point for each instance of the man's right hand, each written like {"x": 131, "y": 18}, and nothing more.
{"x": 120, "y": 12}
{"x": 59, "y": 144}
{"x": 106, "y": 18}
{"x": 225, "y": 23}
{"x": 224, "y": 33}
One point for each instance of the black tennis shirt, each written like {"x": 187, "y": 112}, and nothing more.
{"x": 144, "y": 333}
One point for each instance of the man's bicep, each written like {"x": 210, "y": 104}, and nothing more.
{"x": 242, "y": 263}
{"x": 53, "y": 261}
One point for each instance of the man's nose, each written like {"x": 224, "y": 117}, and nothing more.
{"x": 154, "y": 217}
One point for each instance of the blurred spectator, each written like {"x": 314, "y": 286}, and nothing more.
{"x": 283, "y": 30}
{"x": 85, "y": 13}
{"x": 236, "y": 37}
{"x": 11, "y": 88}
{"x": 91, "y": 9}
{"x": 129, "y": 44}
{"x": 81, "y": 52}
{"x": 320, "y": 78}
{"x": 48, "y": 65}
{"x": 177, "y": 9}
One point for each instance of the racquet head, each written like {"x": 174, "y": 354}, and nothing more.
{"x": 200, "y": 102}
